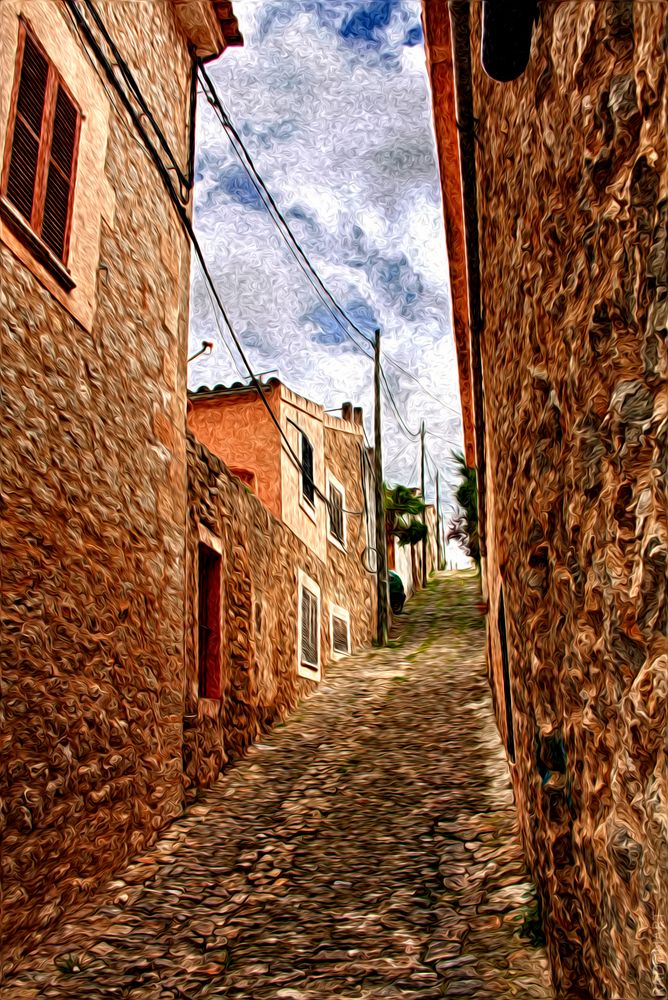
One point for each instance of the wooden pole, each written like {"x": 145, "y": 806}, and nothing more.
{"x": 381, "y": 537}
{"x": 424, "y": 512}
{"x": 438, "y": 526}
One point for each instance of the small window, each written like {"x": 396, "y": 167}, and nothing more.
{"x": 209, "y": 622}
{"x": 308, "y": 484}
{"x": 510, "y": 739}
{"x": 309, "y": 652}
{"x": 41, "y": 151}
{"x": 308, "y": 634}
{"x": 340, "y": 635}
{"x": 336, "y": 513}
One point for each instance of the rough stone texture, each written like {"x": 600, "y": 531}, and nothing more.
{"x": 94, "y": 489}
{"x": 573, "y": 204}
{"x": 260, "y": 559}
{"x": 363, "y": 850}
{"x": 348, "y": 582}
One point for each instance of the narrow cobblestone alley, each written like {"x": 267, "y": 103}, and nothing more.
{"x": 365, "y": 848}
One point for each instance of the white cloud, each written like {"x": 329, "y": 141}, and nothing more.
{"x": 336, "y": 114}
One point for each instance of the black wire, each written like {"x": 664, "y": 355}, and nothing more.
{"x": 215, "y": 101}
{"x": 185, "y": 222}
{"x": 292, "y": 243}
{"x": 278, "y": 219}
{"x": 186, "y": 181}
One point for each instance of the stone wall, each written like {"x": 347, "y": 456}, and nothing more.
{"x": 350, "y": 585}
{"x": 260, "y": 557}
{"x": 94, "y": 491}
{"x": 573, "y": 209}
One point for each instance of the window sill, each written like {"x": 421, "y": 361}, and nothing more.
{"x": 37, "y": 248}
{"x": 309, "y": 672}
{"x": 308, "y": 508}
{"x": 341, "y": 546}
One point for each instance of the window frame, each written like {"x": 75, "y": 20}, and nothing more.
{"x": 304, "y": 668}
{"x": 336, "y": 611}
{"x": 340, "y": 543}
{"x": 29, "y": 231}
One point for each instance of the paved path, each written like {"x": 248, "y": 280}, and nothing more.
{"x": 364, "y": 849}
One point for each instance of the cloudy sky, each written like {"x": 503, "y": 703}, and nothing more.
{"x": 332, "y": 101}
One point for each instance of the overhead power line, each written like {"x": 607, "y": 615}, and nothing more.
{"x": 286, "y": 231}
{"x": 85, "y": 31}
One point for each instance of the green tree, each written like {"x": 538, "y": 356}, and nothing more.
{"x": 464, "y": 526}
{"x": 403, "y": 511}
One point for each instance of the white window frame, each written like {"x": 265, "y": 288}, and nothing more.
{"x": 304, "y": 582}
{"x": 331, "y": 480}
{"x": 335, "y": 611}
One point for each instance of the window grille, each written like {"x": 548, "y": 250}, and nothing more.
{"x": 336, "y": 513}
{"x": 340, "y": 635}
{"x": 308, "y": 484}
{"x": 309, "y": 635}
{"x": 42, "y": 142}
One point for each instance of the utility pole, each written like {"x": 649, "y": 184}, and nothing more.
{"x": 381, "y": 537}
{"x": 424, "y": 512}
{"x": 438, "y": 527}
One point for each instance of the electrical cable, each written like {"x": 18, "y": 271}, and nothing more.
{"x": 214, "y": 99}
{"x": 292, "y": 243}
{"x": 185, "y": 180}
{"x": 184, "y": 220}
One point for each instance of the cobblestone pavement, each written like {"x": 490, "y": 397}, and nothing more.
{"x": 364, "y": 849}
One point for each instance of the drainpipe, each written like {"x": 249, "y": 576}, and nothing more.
{"x": 461, "y": 57}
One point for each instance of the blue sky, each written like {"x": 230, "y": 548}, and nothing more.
{"x": 331, "y": 98}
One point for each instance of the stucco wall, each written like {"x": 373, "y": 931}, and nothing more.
{"x": 239, "y": 429}
{"x": 308, "y": 523}
{"x": 573, "y": 205}
{"x": 94, "y": 490}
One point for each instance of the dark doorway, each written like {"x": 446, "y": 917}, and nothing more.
{"x": 209, "y": 630}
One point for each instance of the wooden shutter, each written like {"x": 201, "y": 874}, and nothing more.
{"x": 340, "y": 638}
{"x": 28, "y": 126}
{"x": 42, "y": 141}
{"x": 308, "y": 485}
{"x": 336, "y": 513}
{"x": 309, "y": 636}
{"x": 58, "y": 195}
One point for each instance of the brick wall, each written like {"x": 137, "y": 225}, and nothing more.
{"x": 94, "y": 493}
{"x": 573, "y": 208}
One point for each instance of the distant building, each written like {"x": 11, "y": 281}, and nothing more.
{"x": 94, "y": 278}
{"x": 555, "y": 192}
{"x": 292, "y": 563}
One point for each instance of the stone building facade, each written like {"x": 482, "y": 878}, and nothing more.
{"x": 94, "y": 280}
{"x": 555, "y": 192}
{"x": 258, "y": 671}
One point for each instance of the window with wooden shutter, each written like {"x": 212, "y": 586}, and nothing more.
{"x": 336, "y": 513}
{"x": 340, "y": 635}
{"x": 308, "y": 483}
{"x": 41, "y": 149}
{"x": 309, "y": 628}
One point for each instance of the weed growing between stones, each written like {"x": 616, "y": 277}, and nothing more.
{"x": 531, "y": 926}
